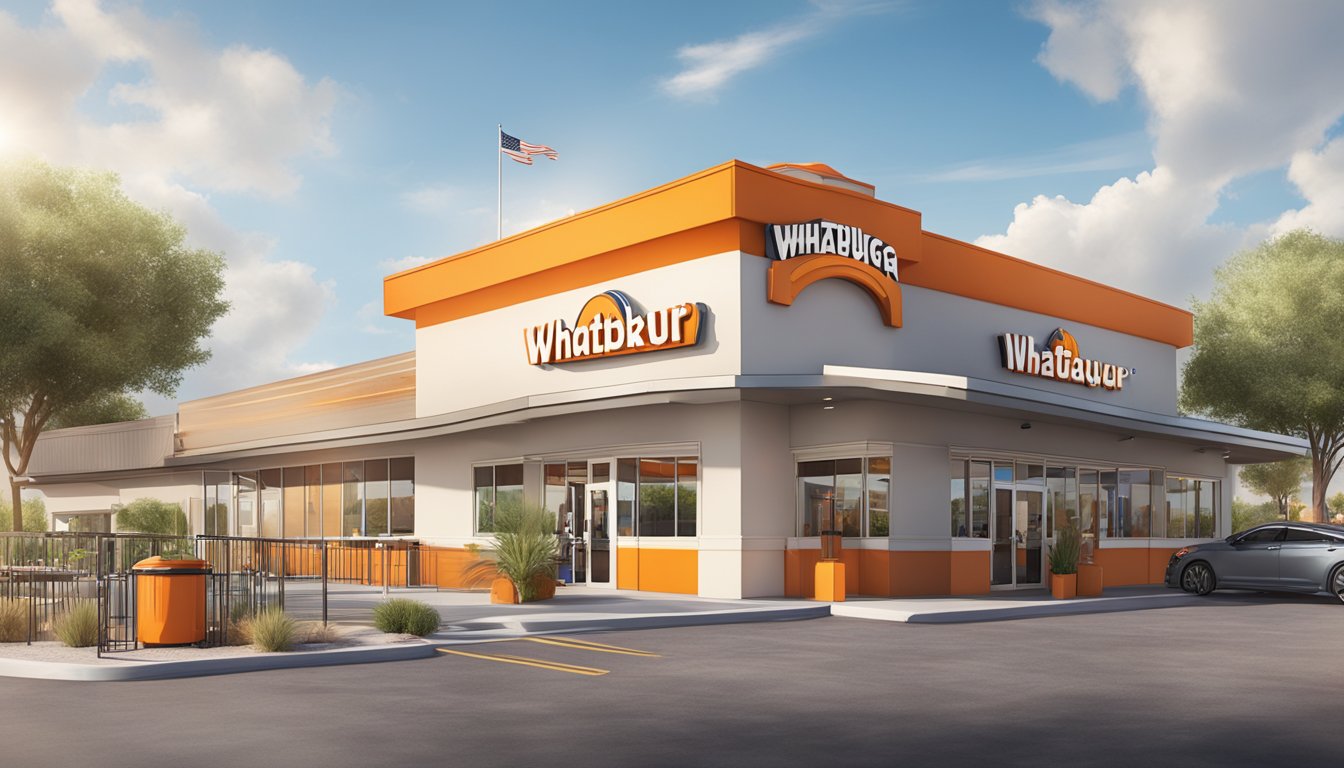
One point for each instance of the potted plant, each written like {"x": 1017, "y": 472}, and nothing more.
{"x": 1064, "y": 563}
{"x": 524, "y": 560}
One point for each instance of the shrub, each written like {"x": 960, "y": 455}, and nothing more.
{"x": 78, "y": 626}
{"x": 316, "y": 632}
{"x": 13, "y": 620}
{"x": 410, "y": 617}
{"x": 273, "y": 630}
{"x": 526, "y": 550}
{"x": 1064, "y": 554}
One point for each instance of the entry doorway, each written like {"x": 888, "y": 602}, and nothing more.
{"x": 1018, "y": 526}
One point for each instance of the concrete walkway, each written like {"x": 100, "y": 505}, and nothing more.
{"x": 469, "y": 617}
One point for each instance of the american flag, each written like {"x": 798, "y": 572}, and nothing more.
{"x": 521, "y": 151}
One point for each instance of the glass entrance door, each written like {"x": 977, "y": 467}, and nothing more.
{"x": 1017, "y": 558}
{"x": 597, "y": 532}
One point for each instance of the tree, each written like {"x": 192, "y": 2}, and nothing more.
{"x": 152, "y": 516}
{"x": 1280, "y": 480}
{"x": 1246, "y": 515}
{"x": 34, "y": 516}
{"x": 99, "y": 296}
{"x": 1268, "y": 351}
{"x": 108, "y": 409}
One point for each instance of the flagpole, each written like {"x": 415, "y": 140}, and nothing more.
{"x": 499, "y": 182}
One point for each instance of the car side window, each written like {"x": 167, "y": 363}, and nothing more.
{"x": 1262, "y": 536}
{"x": 1306, "y": 535}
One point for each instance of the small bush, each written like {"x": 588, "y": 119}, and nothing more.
{"x": 13, "y": 620}
{"x": 410, "y": 617}
{"x": 273, "y": 630}
{"x": 316, "y": 632}
{"x": 78, "y": 626}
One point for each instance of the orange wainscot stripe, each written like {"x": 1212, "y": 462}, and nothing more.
{"x": 724, "y": 209}
{"x": 627, "y": 568}
{"x": 669, "y": 570}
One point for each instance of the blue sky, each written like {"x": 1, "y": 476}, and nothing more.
{"x": 322, "y": 146}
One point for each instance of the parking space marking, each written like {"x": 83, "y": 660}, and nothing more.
{"x": 528, "y": 662}
{"x": 589, "y": 645}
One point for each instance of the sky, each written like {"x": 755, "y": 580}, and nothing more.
{"x": 323, "y": 145}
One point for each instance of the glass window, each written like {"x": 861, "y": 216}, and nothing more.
{"x": 312, "y": 503}
{"x": 331, "y": 500}
{"x": 1108, "y": 501}
{"x": 1206, "y": 504}
{"x": 555, "y": 490}
{"x": 816, "y": 490}
{"x": 218, "y": 503}
{"x": 352, "y": 498}
{"x": 1132, "y": 514}
{"x": 979, "y": 488}
{"x": 849, "y": 496}
{"x": 485, "y": 498}
{"x": 878, "y": 484}
{"x": 1062, "y": 486}
{"x": 657, "y": 497}
{"x": 957, "y": 498}
{"x": 1263, "y": 536}
{"x": 1176, "y": 507}
{"x": 627, "y": 477}
{"x": 375, "y": 497}
{"x": 294, "y": 501}
{"x": 245, "y": 502}
{"x": 1158, "y": 490}
{"x": 401, "y": 479}
{"x": 687, "y": 471}
{"x": 269, "y": 489}
{"x": 1307, "y": 535}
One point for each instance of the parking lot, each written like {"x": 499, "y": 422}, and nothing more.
{"x": 1238, "y": 680}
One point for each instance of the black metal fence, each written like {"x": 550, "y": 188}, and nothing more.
{"x": 43, "y": 574}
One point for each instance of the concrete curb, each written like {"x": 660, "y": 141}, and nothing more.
{"x": 476, "y": 631}
{"x": 1014, "y": 612}
{"x": 162, "y": 670}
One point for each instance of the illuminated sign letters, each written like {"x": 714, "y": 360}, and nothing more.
{"x": 786, "y": 241}
{"x": 1059, "y": 360}
{"x": 608, "y": 326}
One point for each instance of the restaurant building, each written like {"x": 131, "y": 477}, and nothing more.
{"x": 699, "y": 379}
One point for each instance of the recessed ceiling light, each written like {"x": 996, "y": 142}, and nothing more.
{"x": 827, "y": 398}
{"x": 828, "y": 407}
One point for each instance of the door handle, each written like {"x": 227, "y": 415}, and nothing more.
{"x": 1269, "y": 548}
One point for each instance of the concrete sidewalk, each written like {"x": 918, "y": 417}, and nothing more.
{"x": 1005, "y": 606}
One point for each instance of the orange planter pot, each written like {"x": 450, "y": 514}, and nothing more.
{"x": 1089, "y": 580}
{"x": 1064, "y": 587}
{"x": 503, "y": 592}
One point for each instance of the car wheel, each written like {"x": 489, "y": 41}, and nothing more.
{"x": 1337, "y": 583}
{"x": 1197, "y": 579}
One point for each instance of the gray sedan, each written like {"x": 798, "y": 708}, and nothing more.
{"x": 1287, "y": 557}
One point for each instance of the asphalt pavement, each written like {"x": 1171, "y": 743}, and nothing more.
{"x": 1237, "y": 680}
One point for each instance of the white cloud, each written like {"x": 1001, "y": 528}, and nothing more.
{"x": 708, "y": 67}
{"x": 1319, "y": 177}
{"x": 180, "y": 119}
{"x": 432, "y": 199}
{"x": 1107, "y": 154}
{"x": 392, "y": 266}
{"x": 1232, "y": 88}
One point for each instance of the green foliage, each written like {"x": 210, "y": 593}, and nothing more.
{"x": 77, "y": 627}
{"x": 152, "y": 516}
{"x": 34, "y": 515}
{"x": 406, "y": 617}
{"x": 108, "y": 408}
{"x": 13, "y": 620}
{"x": 273, "y": 630}
{"x": 99, "y": 296}
{"x": 1246, "y": 515}
{"x": 526, "y": 548}
{"x": 1280, "y": 480}
{"x": 1336, "y": 503}
{"x": 1268, "y": 351}
{"x": 1064, "y": 553}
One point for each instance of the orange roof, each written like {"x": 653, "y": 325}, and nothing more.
{"x": 724, "y": 209}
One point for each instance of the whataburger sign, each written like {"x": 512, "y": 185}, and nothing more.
{"x": 819, "y": 236}
{"x": 1059, "y": 360}
{"x": 608, "y": 326}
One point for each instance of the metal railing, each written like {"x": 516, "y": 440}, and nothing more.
{"x": 49, "y": 572}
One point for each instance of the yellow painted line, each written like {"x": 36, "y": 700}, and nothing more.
{"x": 527, "y": 662}
{"x": 588, "y": 645}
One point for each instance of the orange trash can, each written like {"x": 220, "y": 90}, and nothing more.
{"x": 170, "y": 601}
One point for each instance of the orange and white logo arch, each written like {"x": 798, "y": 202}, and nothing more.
{"x": 608, "y": 325}
{"x": 803, "y": 254}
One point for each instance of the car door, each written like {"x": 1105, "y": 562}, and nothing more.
{"x": 1253, "y": 561}
{"x": 1306, "y": 558}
